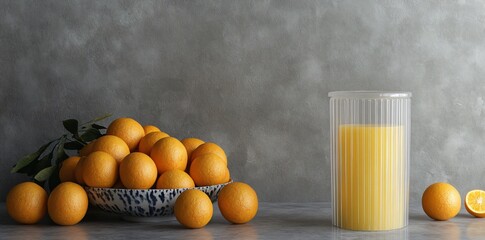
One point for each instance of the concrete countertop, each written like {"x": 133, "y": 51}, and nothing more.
{"x": 274, "y": 221}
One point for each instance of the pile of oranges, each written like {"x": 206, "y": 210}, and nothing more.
{"x": 138, "y": 157}
{"x": 133, "y": 156}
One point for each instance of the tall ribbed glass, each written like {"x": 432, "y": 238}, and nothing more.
{"x": 370, "y": 141}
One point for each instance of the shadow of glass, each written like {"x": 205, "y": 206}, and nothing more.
{"x": 398, "y": 234}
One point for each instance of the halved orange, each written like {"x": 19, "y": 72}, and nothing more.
{"x": 475, "y": 203}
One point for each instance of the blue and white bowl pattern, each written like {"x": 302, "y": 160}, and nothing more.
{"x": 142, "y": 202}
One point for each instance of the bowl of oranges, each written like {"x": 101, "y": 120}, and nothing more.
{"x": 137, "y": 171}
{"x": 140, "y": 171}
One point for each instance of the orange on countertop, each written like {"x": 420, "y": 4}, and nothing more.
{"x": 238, "y": 202}
{"x": 67, "y": 204}
{"x": 26, "y": 203}
{"x": 193, "y": 209}
{"x": 441, "y": 201}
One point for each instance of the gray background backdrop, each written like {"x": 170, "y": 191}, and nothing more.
{"x": 252, "y": 76}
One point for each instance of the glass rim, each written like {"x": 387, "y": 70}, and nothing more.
{"x": 370, "y": 94}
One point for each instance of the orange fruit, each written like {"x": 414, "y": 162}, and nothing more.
{"x": 100, "y": 170}
{"x": 227, "y": 177}
{"x": 67, "y": 204}
{"x": 238, "y": 202}
{"x": 150, "y": 128}
{"x": 475, "y": 203}
{"x": 68, "y": 166}
{"x": 27, "y": 203}
{"x": 138, "y": 171}
{"x": 78, "y": 171}
{"x": 441, "y": 201}
{"x": 87, "y": 149}
{"x": 193, "y": 209}
{"x": 208, "y": 169}
{"x": 169, "y": 153}
{"x": 175, "y": 179}
{"x": 190, "y": 145}
{"x": 113, "y": 145}
{"x": 209, "y": 147}
{"x": 146, "y": 143}
{"x": 127, "y": 129}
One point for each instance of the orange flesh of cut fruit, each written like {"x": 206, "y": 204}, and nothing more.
{"x": 475, "y": 203}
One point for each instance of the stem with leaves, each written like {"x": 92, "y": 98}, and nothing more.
{"x": 43, "y": 165}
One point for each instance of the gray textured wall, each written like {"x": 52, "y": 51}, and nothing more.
{"x": 252, "y": 76}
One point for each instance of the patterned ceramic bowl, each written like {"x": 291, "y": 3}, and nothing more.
{"x": 142, "y": 202}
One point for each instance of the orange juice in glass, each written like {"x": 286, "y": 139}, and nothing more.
{"x": 370, "y": 165}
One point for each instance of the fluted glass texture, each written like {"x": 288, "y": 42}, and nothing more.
{"x": 370, "y": 143}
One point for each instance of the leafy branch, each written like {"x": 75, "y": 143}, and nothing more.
{"x": 43, "y": 165}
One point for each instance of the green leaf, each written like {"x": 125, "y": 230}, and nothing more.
{"x": 71, "y": 125}
{"x": 74, "y": 145}
{"x": 44, "y": 174}
{"x": 103, "y": 117}
{"x": 26, "y": 160}
{"x": 97, "y": 119}
{"x": 42, "y": 163}
{"x": 60, "y": 154}
{"x": 79, "y": 139}
{"x": 90, "y": 135}
{"x": 96, "y": 126}
{"x": 61, "y": 157}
